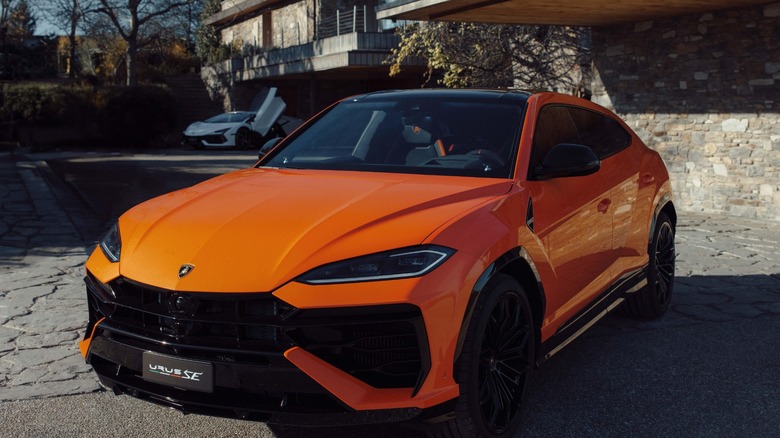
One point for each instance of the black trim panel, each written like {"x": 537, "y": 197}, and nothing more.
{"x": 494, "y": 268}
{"x": 662, "y": 203}
{"x": 629, "y": 283}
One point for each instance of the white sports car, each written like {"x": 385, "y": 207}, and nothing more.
{"x": 243, "y": 129}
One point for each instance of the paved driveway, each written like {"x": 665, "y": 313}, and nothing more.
{"x": 710, "y": 367}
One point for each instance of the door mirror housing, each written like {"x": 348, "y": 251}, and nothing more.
{"x": 568, "y": 160}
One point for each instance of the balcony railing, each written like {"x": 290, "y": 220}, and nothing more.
{"x": 349, "y": 21}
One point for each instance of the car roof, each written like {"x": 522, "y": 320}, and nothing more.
{"x": 459, "y": 93}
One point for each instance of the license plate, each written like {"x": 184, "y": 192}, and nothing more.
{"x": 177, "y": 372}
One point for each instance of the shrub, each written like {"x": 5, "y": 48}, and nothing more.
{"x": 27, "y": 103}
{"x": 46, "y": 104}
{"x": 124, "y": 116}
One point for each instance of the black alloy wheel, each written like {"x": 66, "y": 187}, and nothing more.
{"x": 243, "y": 138}
{"x": 654, "y": 299}
{"x": 496, "y": 363}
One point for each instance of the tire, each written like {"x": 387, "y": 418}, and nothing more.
{"x": 496, "y": 364}
{"x": 653, "y": 300}
{"x": 243, "y": 138}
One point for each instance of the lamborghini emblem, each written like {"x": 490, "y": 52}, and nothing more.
{"x": 185, "y": 269}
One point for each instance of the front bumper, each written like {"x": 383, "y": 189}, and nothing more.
{"x": 260, "y": 347}
{"x": 207, "y": 140}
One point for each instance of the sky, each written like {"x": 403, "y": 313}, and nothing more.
{"x": 46, "y": 28}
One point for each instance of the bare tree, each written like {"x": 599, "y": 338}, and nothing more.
{"x": 496, "y": 56}
{"x": 131, "y": 18}
{"x": 69, "y": 16}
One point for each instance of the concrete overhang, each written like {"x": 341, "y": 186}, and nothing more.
{"x": 352, "y": 52}
{"x": 554, "y": 12}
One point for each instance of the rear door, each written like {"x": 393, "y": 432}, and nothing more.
{"x": 620, "y": 165}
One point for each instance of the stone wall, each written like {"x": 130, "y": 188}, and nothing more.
{"x": 244, "y": 35}
{"x": 294, "y": 24}
{"x": 291, "y": 25}
{"x": 227, "y": 4}
{"x": 704, "y": 91}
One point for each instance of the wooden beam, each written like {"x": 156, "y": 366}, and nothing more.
{"x": 555, "y": 12}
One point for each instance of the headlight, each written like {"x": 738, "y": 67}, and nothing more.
{"x": 400, "y": 263}
{"x": 111, "y": 245}
{"x": 222, "y": 131}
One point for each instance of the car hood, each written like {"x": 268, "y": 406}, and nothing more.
{"x": 203, "y": 128}
{"x": 254, "y": 230}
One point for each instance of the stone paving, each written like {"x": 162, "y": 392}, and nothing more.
{"x": 42, "y": 299}
{"x": 727, "y": 269}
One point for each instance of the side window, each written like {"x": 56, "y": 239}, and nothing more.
{"x": 599, "y": 132}
{"x": 555, "y": 126}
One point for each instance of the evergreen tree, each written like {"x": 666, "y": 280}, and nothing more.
{"x": 21, "y": 22}
{"x": 207, "y": 38}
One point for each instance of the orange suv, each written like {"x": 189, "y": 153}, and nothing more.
{"x": 403, "y": 255}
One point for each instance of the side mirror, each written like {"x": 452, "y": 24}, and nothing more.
{"x": 567, "y": 160}
{"x": 268, "y": 146}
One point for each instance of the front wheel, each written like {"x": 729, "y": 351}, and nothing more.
{"x": 243, "y": 138}
{"x": 496, "y": 363}
{"x": 653, "y": 300}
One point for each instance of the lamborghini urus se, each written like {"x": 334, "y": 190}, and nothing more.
{"x": 403, "y": 255}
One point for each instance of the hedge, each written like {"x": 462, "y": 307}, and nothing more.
{"x": 125, "y": 116}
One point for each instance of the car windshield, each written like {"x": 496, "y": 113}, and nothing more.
{"x": 439, "y": 134}
{"x": 235, "y": 117}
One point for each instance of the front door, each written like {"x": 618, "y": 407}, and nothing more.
{"x": 573, "y": 218}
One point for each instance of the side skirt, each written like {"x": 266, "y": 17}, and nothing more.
{"x": 628, "y": 284}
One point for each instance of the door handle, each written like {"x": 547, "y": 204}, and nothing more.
{"x": 604, "y": 205}
{"x": 646, "y": 179}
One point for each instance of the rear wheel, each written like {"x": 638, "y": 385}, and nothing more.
{"x": 495, "y": 365}
{"x": 654, "y": 299}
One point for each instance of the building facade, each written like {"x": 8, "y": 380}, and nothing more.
{"x": 704, "y": 90}
{"x": 313, "y": 51}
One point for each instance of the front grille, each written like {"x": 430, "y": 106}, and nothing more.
{"x": 198, "y": 140}
{"x": 214, "y": 139}
{"x": 384, "y": 346}
{"x": 214, "y": 320}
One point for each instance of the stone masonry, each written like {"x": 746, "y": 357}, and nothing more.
{"x": 295, "y": 23}
{"x": 704, "y": 91}
{"x": 42, "y": 298}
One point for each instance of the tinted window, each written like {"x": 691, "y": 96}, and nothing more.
{"x": 441, "y": 135}
{"x": 565, "y": 124}
{"x": 599, "y": 132}
{"x": 237, "y": 117}
{"x": 554, "y": 126}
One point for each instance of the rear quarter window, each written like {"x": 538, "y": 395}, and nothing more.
{"x": 600, "y": 132}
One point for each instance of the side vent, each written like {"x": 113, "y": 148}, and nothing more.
{"x": 529, "y": 215}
